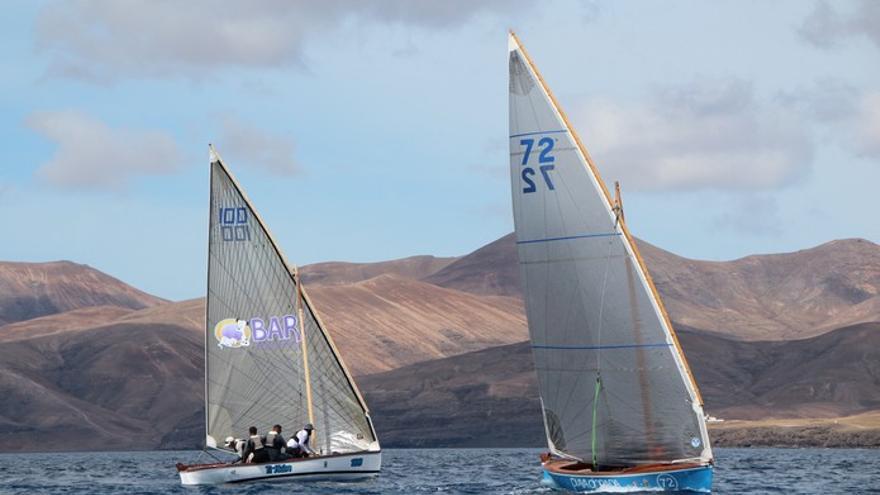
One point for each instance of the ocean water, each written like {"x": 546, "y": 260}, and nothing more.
{"x": 446, "y": 471}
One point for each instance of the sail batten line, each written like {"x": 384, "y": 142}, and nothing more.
{"x": 599, "y": 347}
{"x": 538, "y": 133}
{"x": 570, "y": 237}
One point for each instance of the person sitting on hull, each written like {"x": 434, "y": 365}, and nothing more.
{"x": 237, "y": 445}
{"x": 298, "y": 445}
{"x": 276, "y": 445}
{"x": 255, "y": 450}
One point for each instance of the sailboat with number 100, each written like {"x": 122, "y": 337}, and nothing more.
{"x": 268, "y": 357}
{"x": 621, "y": 409}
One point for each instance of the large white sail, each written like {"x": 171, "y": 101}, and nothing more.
{"x": 255, "y": 368}
{"x": 615, "y": 388}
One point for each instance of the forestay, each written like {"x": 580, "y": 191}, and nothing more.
{"x": 254, "y": 367}
{"x": 614, "y": 387}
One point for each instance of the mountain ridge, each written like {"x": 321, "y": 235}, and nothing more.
{"x": 757, "y": 297}
{"x": 108, "y": 376}
{"x": 31, "y": 290}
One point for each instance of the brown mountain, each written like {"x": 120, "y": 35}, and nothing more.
{"x": 387, "y": 321}
{"x": 96, "y": 372}
{"x": 68, "y": 321}
{"x": 31, "y": 290}
{"x": 107, "y": 378}
{"x": 489, "y": 397}
{"x": 119, "y": 385}
{"x": 338, "y": 272}
{"x": 492, "y": 269}
{"x": 775, "y": 296}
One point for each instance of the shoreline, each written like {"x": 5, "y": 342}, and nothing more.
{"x": 858, "y": 431}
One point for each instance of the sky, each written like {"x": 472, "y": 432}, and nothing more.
{"x": 366, "y": 131}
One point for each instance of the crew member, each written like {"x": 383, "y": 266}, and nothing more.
{"x": 298, "y": 445}
{"x": 275, "y": 444}
{"x": 237, "y": 445}
{"x": 255, "y": 450}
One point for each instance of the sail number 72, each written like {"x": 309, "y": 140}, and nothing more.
{"x": 545, "y": 163}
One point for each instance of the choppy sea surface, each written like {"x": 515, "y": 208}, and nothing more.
{"x": 448, "y": 471}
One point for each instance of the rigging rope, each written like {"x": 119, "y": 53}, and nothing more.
{"x": 595, "y": 409}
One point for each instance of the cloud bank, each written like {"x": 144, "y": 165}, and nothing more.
{"x": 826, "y": 26}
{"x": 710, "y": 134}
{"x": 92, "y": 155}
{"x": 103, "y": 40}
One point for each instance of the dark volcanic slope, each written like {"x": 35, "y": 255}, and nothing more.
{"x": 761, "y": 297}
{"x": 489, "y": 397}
{"x": 31, "y": 290}
{"x": 481, "y": 398}
{"x": 837, "y": 373}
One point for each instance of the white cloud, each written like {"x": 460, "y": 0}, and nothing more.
{"x": 102, "y": 40}
{"x": 849, "y": 116}
{"x": 250, "y": 145}
{"x": 92, "y": 155}
{"x": 712, "y": 134}
{"x": 826, "y": 27}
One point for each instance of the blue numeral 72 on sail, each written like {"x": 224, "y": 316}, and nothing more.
{"x": 546, "y": 145}
{"x": 528, "y": 143}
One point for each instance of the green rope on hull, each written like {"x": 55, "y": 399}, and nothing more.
{"x": 595, "y": 410}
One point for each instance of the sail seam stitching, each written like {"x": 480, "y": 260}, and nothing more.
{"x": 538, "y": 133}
{"x": 566, "y": 238}
{"x": 599, "y": 347}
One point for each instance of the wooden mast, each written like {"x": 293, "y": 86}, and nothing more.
{"x": 304, "y": 347}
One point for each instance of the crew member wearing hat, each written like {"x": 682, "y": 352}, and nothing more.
{"x": 237, "y": 445}
{"x": 298, "y": 445}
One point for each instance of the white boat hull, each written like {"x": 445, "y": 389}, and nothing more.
{"x": 333, "y": 467}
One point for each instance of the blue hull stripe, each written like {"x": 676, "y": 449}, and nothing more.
{"x": 537, "y": 133}
{"x": 597, "y": 347}
{"x": 584, "y": 236}
{"x": 693, "y": 480}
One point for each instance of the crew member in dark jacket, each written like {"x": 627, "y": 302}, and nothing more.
{"x": 255, "y": 451}
{"x": 275, "y": 444}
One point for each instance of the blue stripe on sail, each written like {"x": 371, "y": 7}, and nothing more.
{"x": 537, "y": 133}
{"x": 584, "y": 236}
{"x": 597, "y": 347}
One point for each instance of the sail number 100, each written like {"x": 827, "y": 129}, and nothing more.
{"x": 545, "y": 163}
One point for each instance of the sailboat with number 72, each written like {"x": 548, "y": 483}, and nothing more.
{"x": 268, "y": 357}
{"x": 621, "y": 408}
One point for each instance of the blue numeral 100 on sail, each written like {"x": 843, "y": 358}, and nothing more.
{"x": 234, "y": 224}
{"x": 545, "y": 163}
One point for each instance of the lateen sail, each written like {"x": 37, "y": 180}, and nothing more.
{"x": 615, "y": 388}
{"x": 254, "y": 367}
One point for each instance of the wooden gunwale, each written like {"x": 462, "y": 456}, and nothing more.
{"x": 567, "y": 467}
